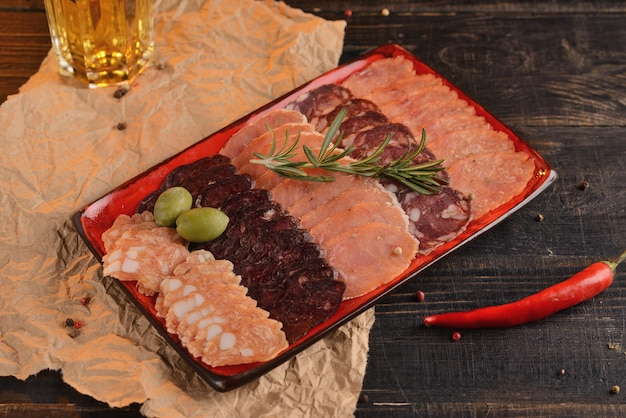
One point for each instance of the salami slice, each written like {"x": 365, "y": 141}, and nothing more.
{"x": 353, "y": 107}
{"x": 401, "y": 139}
{"x": 354, "y": 125}
{"x": 189, "y": 171}
{"x": 215, "y": 194}
{"x": 196, "y": 184}
{"x": 316, "y": 103}
{"x": 435, "y": 219}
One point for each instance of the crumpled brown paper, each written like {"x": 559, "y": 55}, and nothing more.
{"x": 216, "y": 61}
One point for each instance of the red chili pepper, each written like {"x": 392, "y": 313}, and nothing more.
{"x": 582, "y": 286}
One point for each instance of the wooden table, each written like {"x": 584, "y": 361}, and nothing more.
{"x": 553, "y": 71}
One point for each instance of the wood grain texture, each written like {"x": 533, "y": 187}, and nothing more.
{"x": 24, "y": 43}
{"x": 555, "y": 73}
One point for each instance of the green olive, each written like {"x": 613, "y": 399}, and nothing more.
{"x": 170, "y": 205}
{"x": 201, "y": 224}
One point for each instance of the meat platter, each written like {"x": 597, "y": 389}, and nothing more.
{"x": 489, "y": 174}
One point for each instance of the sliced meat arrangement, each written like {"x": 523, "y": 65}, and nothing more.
{"x": 197, "y": 303}
{"x": 365, "y": 128}
{"x": 138, "y": 250}
{"x": 292, "y": 249}
{"x": 454, "y": 133}
{"x": 283, "y": 269}
{"x": 313, "y": 203}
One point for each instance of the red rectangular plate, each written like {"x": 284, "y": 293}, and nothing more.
{"x": 98, "y": 216}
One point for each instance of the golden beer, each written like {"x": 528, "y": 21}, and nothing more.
{"x": 101, "y": 42}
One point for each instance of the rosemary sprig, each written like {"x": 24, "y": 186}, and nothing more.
{"x": 421, "y": 178}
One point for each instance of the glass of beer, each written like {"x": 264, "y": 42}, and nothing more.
{"x": 101, "y": 42}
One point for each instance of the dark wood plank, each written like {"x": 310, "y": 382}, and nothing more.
{"x": 503, "y": 62}
{"x": 45, "y": 394}
{"x": 419, "y": 370}
{"x": 24, "y": 43}
{"x": 451, "y": 7}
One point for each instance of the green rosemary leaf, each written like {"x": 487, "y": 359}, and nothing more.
{"x": 310, "y": 155}
{"x": 422, "y": 178}
{"x": 332, "y": 131}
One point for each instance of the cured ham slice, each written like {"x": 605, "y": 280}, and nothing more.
{"x": 358, "y": 215}
{"x": 323, "y": 192}
{"x": 264, "y": 142}
{"x": 491, "y": 179}
{"x": 316, "y": 206}
{"x": 402, "y": 89}
{"x": 441, "y": 126}
{"x": 262, "y": 145}
{"x": 268, "y": 180}
{"x": 258, "y": 127}
{"x": 406, "y": 105}
{"x": 378, "y": 75}
{"x": 459, "y": 144}
{"x": 197, "y": 304}
{"x": 138, "y": 250}
{"x": 289, "y": 191}
{"x": 422, "y": 117}
{"x": 370, "y": 255}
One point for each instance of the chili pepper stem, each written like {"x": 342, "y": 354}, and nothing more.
{"x": 614, "y": 263}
